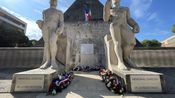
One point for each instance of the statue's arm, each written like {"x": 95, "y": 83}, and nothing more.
{"x": 106, "y": 10}
{"x": 40, "y": 22}
{"x": 131, "y": 22}
{"x": 60, "y": 27}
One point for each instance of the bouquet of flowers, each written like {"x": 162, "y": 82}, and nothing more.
{"x": 112, "y": 82}
{"x": 60, "y": 83}
{"x": 88, "y": 68}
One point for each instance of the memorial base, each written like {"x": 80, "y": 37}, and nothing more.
{"x": 140, "y": 81}
{"x": 36, "y": 80}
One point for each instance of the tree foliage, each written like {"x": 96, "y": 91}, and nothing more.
{"x": 151, "y": 43}
{"x": 173, "y": 29}
{"x": 11, "y": 37}
{"x": 33, "y": 43}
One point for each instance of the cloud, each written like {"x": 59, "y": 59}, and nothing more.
{"x": 161, "y": 32}
{"x": 63, "y": 5}
{"x": 42, "y": 2}
{"x": 158, "y": 34}
{"x": 33, "y": 32}
{"x": 140, "y": 7}
{"x": 13, "y": 1}
{"x": 37, "y": 11}
{"x": 152, "y": 17}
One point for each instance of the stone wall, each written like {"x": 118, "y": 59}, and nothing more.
{"x": 20, "y": 57}
{"x": 154, "y": 57}
{"x": 32, "y": 57}
{"x": 85, "y": 46}
{"x": 83, "y": 35}
{"x": 86, "y": 42}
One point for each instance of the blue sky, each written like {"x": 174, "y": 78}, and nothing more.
{"x": 155, "y": 17}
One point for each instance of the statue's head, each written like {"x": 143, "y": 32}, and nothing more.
{"x": 116, "y": 3}
{"x": 53, "y": 3}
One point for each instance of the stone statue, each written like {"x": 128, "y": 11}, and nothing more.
{"x": 52, "y": 26}
{"x": 122, "y": 29}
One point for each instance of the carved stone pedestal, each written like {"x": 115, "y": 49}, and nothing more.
{"x": 36, "y": 80}
{"x": 140, "y": 81}
{"x": 136, "y": 80}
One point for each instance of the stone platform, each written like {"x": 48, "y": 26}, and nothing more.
{"x": 141, "y": 81}
{"x": 89, "y": 85}
{"x": 36, "y": 80}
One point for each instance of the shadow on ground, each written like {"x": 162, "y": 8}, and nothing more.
{"x": 89, "y": 85}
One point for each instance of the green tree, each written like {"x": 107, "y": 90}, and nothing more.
{"x": 11, "y": 37}
{"x": 33, "y": 43}
{"x": 151, "y": 43}
{"x": 173, "y": 29}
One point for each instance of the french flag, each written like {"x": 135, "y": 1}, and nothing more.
{"x": 88, "y": 14}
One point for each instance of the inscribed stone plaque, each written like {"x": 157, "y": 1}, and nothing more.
{"x": 29, "y": 83}
{"x": 145, "y": 83}
{"x": 87, "y": 48}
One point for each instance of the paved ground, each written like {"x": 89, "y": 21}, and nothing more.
{"x": 86, "y": 85}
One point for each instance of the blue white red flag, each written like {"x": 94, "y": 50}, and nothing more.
{"x": 88, "y": 14}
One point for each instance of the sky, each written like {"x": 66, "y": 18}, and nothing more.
{"x": 155, "y": 17}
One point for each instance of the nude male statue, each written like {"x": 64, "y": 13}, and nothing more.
{"x": 52, "y": 26}
{"x": 122, "y": 29}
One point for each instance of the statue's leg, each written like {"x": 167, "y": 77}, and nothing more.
{"x": 127, "y": 52}
{"x": 128, "y": 46}
{"x": 46, "y": 56}
{"x": 53, "y": 50}
{"x": 116, "y": 37}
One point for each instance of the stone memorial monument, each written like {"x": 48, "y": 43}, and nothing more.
{"x": 38, "y": 80}
{"x": 119, "y": 45}
{"x": 52, "y": 26}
